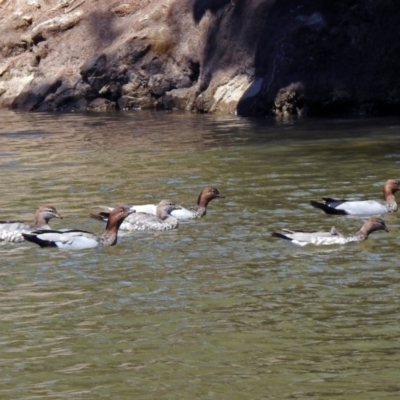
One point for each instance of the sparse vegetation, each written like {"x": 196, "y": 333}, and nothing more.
{"x": 162, "y": 41}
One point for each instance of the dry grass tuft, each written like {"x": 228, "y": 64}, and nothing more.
{"x": 162, "y": 41}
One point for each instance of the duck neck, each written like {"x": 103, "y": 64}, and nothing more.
{"x": 202, "y": 201}
{"x": 163, "y": 215}
{"x": 199, "y": 211}
{"x": 362, "y": 234}
{"x": 40, "y": 220}
{"x": 390, "y": 202}
{"x": 110, "y": 236}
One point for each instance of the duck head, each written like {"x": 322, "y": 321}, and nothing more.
{"x": 117, "y": 216}
{"x": 374, "y": 224}
{"x": 165, "y": 207}
{"x": 207, "y": 194}
{"x": 45, "y": 213}
{"x": 390, "y": 187}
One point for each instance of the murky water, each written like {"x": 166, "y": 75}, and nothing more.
{"x": 217, "y": 309}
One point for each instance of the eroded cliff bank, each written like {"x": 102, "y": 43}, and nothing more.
{"x": 251, "y": 57}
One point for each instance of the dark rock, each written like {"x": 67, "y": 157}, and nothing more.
{"x": 101, "y": 104}
{"x": 251, "y": 103}
{"x": 178, "y": 99}
{"x": 203, "y": 103}
{"x": 29, "y": 100}
{"x": 134, "y": 50}
{"x": 93, "y": 71}
{"x": 159, "y": 85}
{"x": 290, "y": 100}
{"x": 135, "y": 103}
{"x": 71, "y": 95}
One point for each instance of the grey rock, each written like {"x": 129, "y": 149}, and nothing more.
{"x": 101, "y": 104}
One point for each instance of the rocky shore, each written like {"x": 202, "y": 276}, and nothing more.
{"x": 249, "y": 57}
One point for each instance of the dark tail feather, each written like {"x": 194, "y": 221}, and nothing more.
{"x": 280, "y": 235}
{"x": 34, "y": 239}
{"x": 103, "y": 216}
{"x": 326, "y": 208}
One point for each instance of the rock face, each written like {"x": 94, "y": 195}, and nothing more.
{"x": 250, "y": 57}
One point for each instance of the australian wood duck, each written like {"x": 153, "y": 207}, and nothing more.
{"x": 362, "y": 207}
{"x": 75, "y": 239}
{"x": 302, "y": 238}
{"x": 139, "y": 221}
{"x": 11, "y": 231}
{"x": 183, "y": 214}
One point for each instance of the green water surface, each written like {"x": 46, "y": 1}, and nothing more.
{"x": 217, "y": 309}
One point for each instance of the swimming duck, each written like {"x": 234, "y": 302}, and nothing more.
{"x": 75, "y": 239}
{"x": 183, "y": 214}
{"x": 11, "y": 231}
{"x": 206, "y": 195}
{"x": 302, "y": 238}
{"x": 139, "y": 221}
{"x": 362, "y": 207}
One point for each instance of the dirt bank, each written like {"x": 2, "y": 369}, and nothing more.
{"x": 251, "y": 57}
